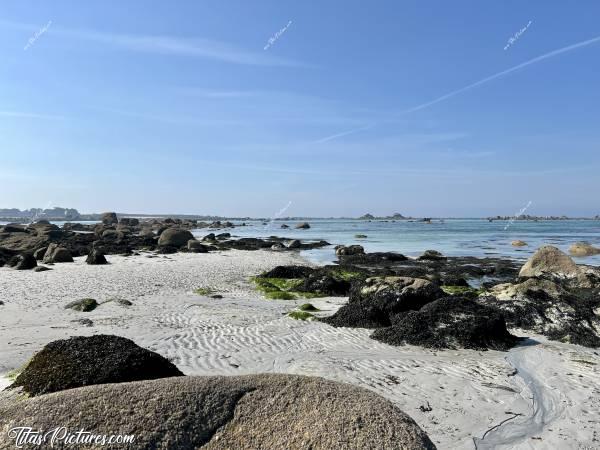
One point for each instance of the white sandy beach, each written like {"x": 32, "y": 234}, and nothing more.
{"x": 556, "y": 392}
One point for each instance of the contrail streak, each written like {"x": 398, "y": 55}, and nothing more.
{"x": 505, "y": 72}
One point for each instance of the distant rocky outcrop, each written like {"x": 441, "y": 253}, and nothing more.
{"x": 269, "y": 412}
{"x": 395, "y": 216}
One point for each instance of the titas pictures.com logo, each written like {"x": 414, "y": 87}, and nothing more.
{"x": 26, "y": 436}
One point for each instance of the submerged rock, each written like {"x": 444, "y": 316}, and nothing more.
{"x": 85, "y": 360}
{"x": 452, "y": 323}
{"x": 303, "y": 226}
{"x": 518, "y": 243}
{"x": 270, "y": 412}
{"x": 373, "y": 302}
{"x": 583, "y": 249}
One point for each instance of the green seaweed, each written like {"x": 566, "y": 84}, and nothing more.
{"x": 282, "y": 288}
{"x": 300, "y": 315}
{"x": 463, "y": 291}
{"x": 13, "y": 374}
{"x": 204, "y": 291}
{"x": 345, "y": 275}
{"x": 280, "y": 295}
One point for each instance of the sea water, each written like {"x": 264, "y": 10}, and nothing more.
{"x": 452, "y": 237}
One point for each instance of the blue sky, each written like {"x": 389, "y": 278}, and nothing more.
{"x": 388, "y": 106}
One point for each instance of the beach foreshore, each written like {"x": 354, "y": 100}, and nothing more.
{"x": 552, "y": 398}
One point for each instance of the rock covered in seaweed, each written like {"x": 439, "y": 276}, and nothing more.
{"x": 83, "y": 361}
{"x": 554, "y": 297}
{"x": 449, "y": 323}
{"x": 373, "y": 302}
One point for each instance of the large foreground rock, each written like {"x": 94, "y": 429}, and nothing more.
{"x": 81, "y": 361}
{"x": 174, "y": 237}
{"x": 452, "y": 323}
{"x": 269, "y": 412}
{"x": 373, "y": 302}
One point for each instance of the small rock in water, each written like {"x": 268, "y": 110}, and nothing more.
{"x": 303, "y": 226}
{"x": 583, "y": 249}
{"x": 518, "y": 243}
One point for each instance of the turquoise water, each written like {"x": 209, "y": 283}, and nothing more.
{"x": 453, "y": 237}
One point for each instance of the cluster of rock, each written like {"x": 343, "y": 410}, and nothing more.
{"x": 428, "y": 300}
{"x": 552, "y": 296}
{"x": 174, "y": 411}
{"x": 23, "y": 246}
